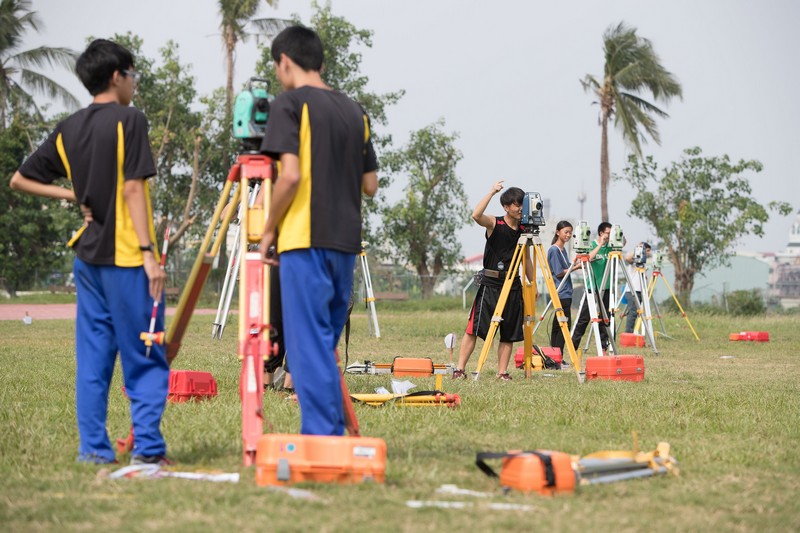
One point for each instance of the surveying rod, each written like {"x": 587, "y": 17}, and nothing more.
{"x": 151, "y": 336}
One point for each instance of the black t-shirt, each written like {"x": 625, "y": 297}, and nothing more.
{"x": 330, "y": 134}
{"x": 98, "y": 148}
{"x": 499, "y": 250}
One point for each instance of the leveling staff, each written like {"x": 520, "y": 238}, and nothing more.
{"x": 322, "y": 139}
{"x": 502, "y": 236}
{"x": 104, "y": 151}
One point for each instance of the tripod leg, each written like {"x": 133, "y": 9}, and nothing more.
{"x": 370, "y": 294}
{"x": 680, "y": 307}
{"x": 643, "y": 307}
{"x": 529, "y": 312}
{"x": 497, "y": 317}
{"x": 559, "y": 311}
{"x": 231, "y": 274}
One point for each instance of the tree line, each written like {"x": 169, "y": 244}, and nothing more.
{"x": 194, "y": 149}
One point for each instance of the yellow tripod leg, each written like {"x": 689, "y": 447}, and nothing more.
{"x": 559, "y": 311}
{"x": 680, "y": 307}
{"x": 497, "y": 317}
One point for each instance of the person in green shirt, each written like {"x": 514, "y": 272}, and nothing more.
{"x": 598, "y": 257}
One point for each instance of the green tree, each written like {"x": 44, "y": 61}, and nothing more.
{"x": 698, "y": 207}
{"x": 631, "y": 67}
{"x": 33, "y": 230}
{"x": 17, "y": 81}
{"x": 422, "y": 226}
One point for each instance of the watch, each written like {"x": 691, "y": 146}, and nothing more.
{"x": 148, "y": 248}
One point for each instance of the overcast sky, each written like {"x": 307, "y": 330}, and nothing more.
{"x": 505, "y": 76}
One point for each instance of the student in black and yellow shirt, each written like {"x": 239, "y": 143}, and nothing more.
{"x": 322, "y": 139}
{"x": 105, "y": 152}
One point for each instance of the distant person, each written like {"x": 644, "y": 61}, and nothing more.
{"x": 323, "y": 142}
{"x": 105, "y": 152}
{"x": 561, "y": 267}
{"x": 598, "y": 257}
{"x": 636, "y": 286}
{"x": 502, "y": 236}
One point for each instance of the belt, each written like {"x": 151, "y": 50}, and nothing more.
{"x": 493, "y": 273}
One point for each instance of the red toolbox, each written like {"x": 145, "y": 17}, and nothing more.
{"x": 412, "y": 366}
{"x": 758, "y": 336}
{"x": 631, "y": 339}
{"x": 551, "y": 352}
{"x": 616, "y": 367}
{"x": 283, "y": 459}
{"x": 191, "y": 385}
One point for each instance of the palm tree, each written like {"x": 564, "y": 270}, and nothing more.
{"x": 17, "y": 81}
{"x": 631, "y": 66}
{"x": 236, "y": 14}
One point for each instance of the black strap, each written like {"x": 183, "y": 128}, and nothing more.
{"x": 547, "y": 461}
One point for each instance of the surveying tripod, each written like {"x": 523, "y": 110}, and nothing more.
{"x": 528, "y": 242}
{"x": 369, "y": 296}
{"x": 651, "y": 288}
{"x": 254, "y": 345}
{"x": 614, "y": 266}
{"x": 597, "y": 310}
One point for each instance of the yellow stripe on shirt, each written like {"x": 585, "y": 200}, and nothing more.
{"x": 295, "y": 229}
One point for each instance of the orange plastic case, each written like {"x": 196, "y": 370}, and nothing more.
{"x": 616, "y": 367}
{"x": 550, "y": 351}
{"x": 412, "y": 366}
{"x": 543, "y": 471}
{"x": 187, "y": 385}
{"x": 283, "y": 459}
{"x": 631, "y": 339}
{"x": 758, "y": 336}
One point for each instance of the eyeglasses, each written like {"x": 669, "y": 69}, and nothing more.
{"x": 133, "y": 74}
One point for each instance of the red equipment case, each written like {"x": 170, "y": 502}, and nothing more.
{"x": 631, "y": 339}
{"x": 758, "y": 336}
{"x": 187, "y": 385}
{"x": 551, "y": 352}
{"x": 615, "y": 367}
{"x": 412, "y": 366}
{"x": 283, "y": 459}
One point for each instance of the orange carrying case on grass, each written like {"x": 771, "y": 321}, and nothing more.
{"x": 631, "y": 339}
{"x": 615, "y": 367}
{"x": 419, "y": 367}
{"x": 283, "y": 459}
{"x": 187, "y": 385}
{"x": 542, "y": 471}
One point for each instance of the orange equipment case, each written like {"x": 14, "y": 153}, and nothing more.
{"x": 189, "y": 384}
{"x": 283, "y": 459}
{"x": 631, "y": 339}
{"x": 412, "y": 366}
{"x": 759, "y": 336}
{"x": 542, "y": 471}
{"x": 615, "y": 367}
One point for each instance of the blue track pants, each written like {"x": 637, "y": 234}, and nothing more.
{"x": 114, "y": 307}
{"x": 315, "y": 293}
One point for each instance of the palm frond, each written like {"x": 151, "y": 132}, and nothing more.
{"x": 44, "y": 85}
{"x": 46, "y": 56}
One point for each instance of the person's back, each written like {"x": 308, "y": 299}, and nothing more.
{"x": 98, "y": 146}
{"x": 326, "y": 212}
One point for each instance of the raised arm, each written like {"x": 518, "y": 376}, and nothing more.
{"x": 478, "y": 214}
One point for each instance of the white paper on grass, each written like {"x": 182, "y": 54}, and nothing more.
{"x": 401, "y": 387}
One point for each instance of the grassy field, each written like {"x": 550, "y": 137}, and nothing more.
{"x": 733, "y": 423}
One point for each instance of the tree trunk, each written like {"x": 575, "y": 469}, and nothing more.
{"x": 605, "y": 173}
{"x": 427, "y": 281}
{"x": 684, "y": 283}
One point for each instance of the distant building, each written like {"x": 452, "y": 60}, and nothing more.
{"x": 784, "y": 278}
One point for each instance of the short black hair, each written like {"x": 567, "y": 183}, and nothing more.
{"x": 300, "y": 44}
{"x": 99, "y": 61}
{"x": 512, "y": 195}
{"x": 646, "y": 245}
{"x": 602, "y": 227}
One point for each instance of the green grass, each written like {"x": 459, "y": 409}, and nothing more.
{"x": 732, "y": 423}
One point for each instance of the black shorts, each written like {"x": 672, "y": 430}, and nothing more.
{"x": 480, "y": 316}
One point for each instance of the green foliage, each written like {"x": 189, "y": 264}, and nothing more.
{"x": 422, "y": 226}
{"x": 698, "y": 207}
{"x": 746, "y": 303}
{"x": 18, "y": 82}
{"x": 33, "y": 230}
